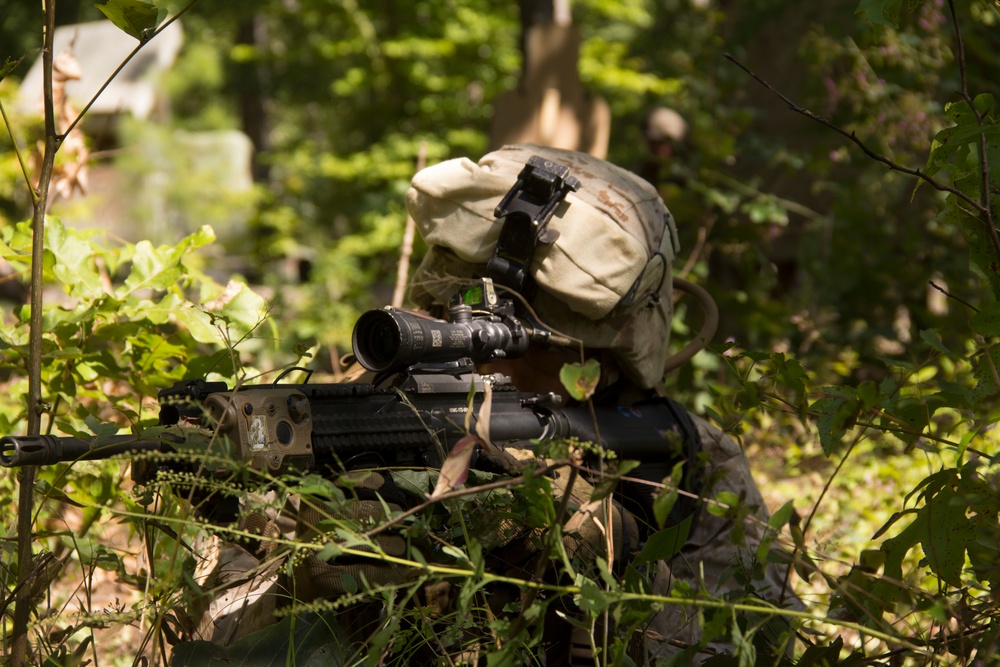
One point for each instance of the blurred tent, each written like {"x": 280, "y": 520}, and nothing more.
{"x": 138, "y": 177}
{"x": 100, "y": 47}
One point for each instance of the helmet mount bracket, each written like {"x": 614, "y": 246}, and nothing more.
{"x": 526, "y": 210}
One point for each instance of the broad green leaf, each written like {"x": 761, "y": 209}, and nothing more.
{"x": 951, "y": 147}
{"x": 220, "y": 362}
{"x": 72, "y": 263}
{"x": 101, "y": 430}
{"x": 664, "y": 544}
{"x": 136, "y": 17}
{"x": 152, "y": 268}
{"x": 240, "y": 306}
{"x": 987, "y": 374}
{"x": 592, "y": 597}
{"x": 791, "y": 373}
{"x": 982, "y": 257}
{"x": 775, "y": 522}
{"x": 199, "y": 324}
{"x": 987, "y": 321}
{"x": 580, "y": 380}
{"x": 744, "y": 650}
{"x": 835, "y": 414}
{"x": 870, "y": 560}
{"x": 782, "y": 515}
{"x": 329, "y": 551}
{"x": 948, "y": 533}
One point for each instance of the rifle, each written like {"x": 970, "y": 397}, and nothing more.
{"x": 410, "y": 421}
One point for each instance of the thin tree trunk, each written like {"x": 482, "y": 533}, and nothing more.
{"x": 26, "y": 478}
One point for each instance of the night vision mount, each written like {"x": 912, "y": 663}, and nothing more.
{"x": 526, "y": 210}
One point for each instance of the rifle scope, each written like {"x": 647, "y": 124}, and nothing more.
{"x": 393, "y": 339}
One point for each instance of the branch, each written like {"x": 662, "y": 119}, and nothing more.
{"x": 951, "y": 296}
{"x": 409, "y": 231}
{"x": 121, "y": 66}
{"x": 916, "y": 173}
{"x": 984, "y": 166}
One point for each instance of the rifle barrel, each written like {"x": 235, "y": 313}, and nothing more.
{"x": 42, "y": 450}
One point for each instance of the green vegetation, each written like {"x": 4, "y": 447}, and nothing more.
{"x": 844, "y": 216}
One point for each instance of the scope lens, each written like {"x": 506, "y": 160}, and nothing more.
{"x": 376, "y": 340}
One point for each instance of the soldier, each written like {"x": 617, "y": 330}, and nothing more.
{"x": 603, "y": 277}
{"x": 595, "y": 272}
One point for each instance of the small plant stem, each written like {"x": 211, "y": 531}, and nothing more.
{"x": 984, "y": 167}
{"x": 20, "y": 157}
{"x": 121, "y": 66}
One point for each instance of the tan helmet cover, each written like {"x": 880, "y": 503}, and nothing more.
{"x": 606, "y": 278}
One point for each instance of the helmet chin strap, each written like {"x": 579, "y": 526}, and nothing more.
{"x": 525, "y": 211}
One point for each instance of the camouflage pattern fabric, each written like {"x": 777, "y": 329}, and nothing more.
{"x": 709, "y": 557}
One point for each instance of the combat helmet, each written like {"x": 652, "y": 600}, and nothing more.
{"x": 601, "y": 273}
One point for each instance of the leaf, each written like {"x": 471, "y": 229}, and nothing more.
{"x": 10, "y": 65}
{"x": 198, "y": 324}
{"x": 152, "y": 268}
{"x": 950, "y": 149}
{"x": 592, "y": 598}
{"x": 948, "y": 533}
{"x": 580, "y": 380}
{"x": 982, "y": 258}
{"x": 73, "y": 257}
{"x": 775, "y": 522}
{"x": 781, "y": 515}
{"x": 932, "y": 338}
{"x": 455, "y": 469}
{"x": 835, "y": 414}
{"x": 881, "y": 12}
{"x": 665, "y": 500}
{"x": 239, "y": 305}
{"x": 485, "y": 411}
{"x": 987, "y": 373}
{"x": 135, "y": 17}
{"x": 329, "y": 551}
{"x": 987, "y": 321}
{"x": 664, "y": 544}
{"x": 870, "y": 560}
{"x": 44, "y": 488}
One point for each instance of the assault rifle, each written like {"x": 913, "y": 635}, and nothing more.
{"x": 432, "y": 399}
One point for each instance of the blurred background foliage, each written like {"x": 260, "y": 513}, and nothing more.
{"x": 807, "y": 244}
{"x": 803, "y": 238}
